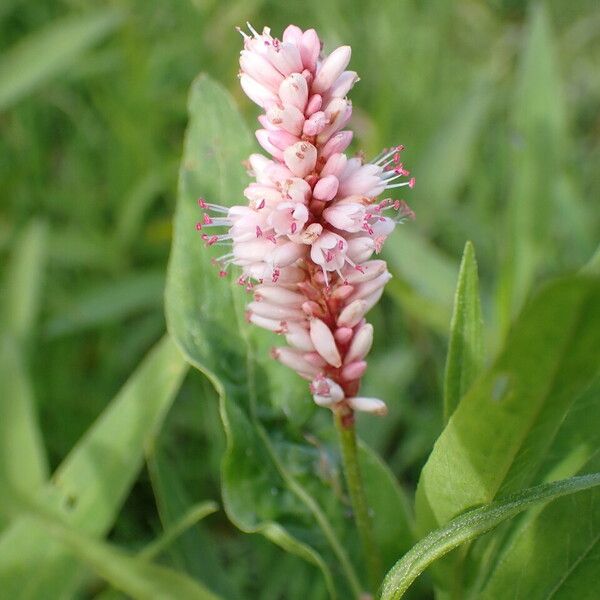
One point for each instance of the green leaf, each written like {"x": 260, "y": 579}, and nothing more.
{"x": 23, "y": 463}
{"x": 538, "y": 133}
{"x": 472, "y": 524}
{"x": 465, "y": 349}
{"x": 553, "y": 554}
{"x": 45, "y": 53}
{"x": 137, "y": 577}
{"x": 174, "y": 503}
{"x": 573, "y": 451}
{"x": 501, "y": 430}
{"x": 89, "y": 487}
{"x": 23, "y": 281}
{"x": 270, "y": 477}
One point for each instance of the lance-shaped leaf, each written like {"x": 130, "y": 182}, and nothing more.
{"x": 500, "y": 432}
{"x": 550, "y": 549}
{"x": 472, "y": 524}
{"x": 136, "y": 576}
{"x": 89, "y": 487}
{"x": 465, "y": 349}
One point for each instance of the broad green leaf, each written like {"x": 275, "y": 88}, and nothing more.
{"x": 538, "y": 122}
{"x": 472, "y": 524}
{"x": 111, "y": 302}
{"x": 465, "y": 349}
{"x": 574, "y": 451}
{"x": 271, "y": 484}
{"x": 424, "y": 278}
{"x": 137, "y": 577}
{"x": 23, "y": 463}
{"x": 45, "y": 53}
{"x": 89, "y": 487}
{"x": 498, "y": 435}
{"x": 23, "y": 281}
{"x": 554, "y": 554}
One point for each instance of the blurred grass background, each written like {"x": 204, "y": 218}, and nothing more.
{"x": 497, "y": 102}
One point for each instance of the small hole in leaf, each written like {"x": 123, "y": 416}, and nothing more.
{"x": 500, "y": 387}
{"x": 71, "y": 501}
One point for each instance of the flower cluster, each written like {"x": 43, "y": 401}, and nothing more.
{"x": 313, "y": 220}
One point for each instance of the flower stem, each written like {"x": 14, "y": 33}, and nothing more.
{"x": 344, "y": 422}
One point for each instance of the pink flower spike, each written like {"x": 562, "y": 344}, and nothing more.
{"x": 313, "y": 219}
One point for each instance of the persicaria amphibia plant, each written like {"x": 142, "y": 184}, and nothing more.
{"x": 314, "y": 218}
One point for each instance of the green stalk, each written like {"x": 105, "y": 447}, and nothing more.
{"x": 344, "y": 422}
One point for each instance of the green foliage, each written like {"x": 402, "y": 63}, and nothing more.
{"x": 89, "y": 487}
{"x": 465, "y": 349}
{"x": 47, "y": 52}
{"x": 500, "y": 129}
{"x": 472, "y": 524}
{"x": 502, "y": 428}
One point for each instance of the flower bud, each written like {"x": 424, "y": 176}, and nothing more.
{"x": 361, "y": 344}
{"x": 310, "y": 46}
{"x": 352, "y": 314}
{"x": 331, "y": 69}
{"x": 301, "y": 158}
{"x": 294, "y": 90}
{"x": 354, "y": 371}
{"x": 326, "y": 392}
{"x": 257, "y": 92}
{"x": 337, "y": 143}
{"x": 370, "y": 405}
{"x": 324, "y": 342}
{"x": 326, "y": 188}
